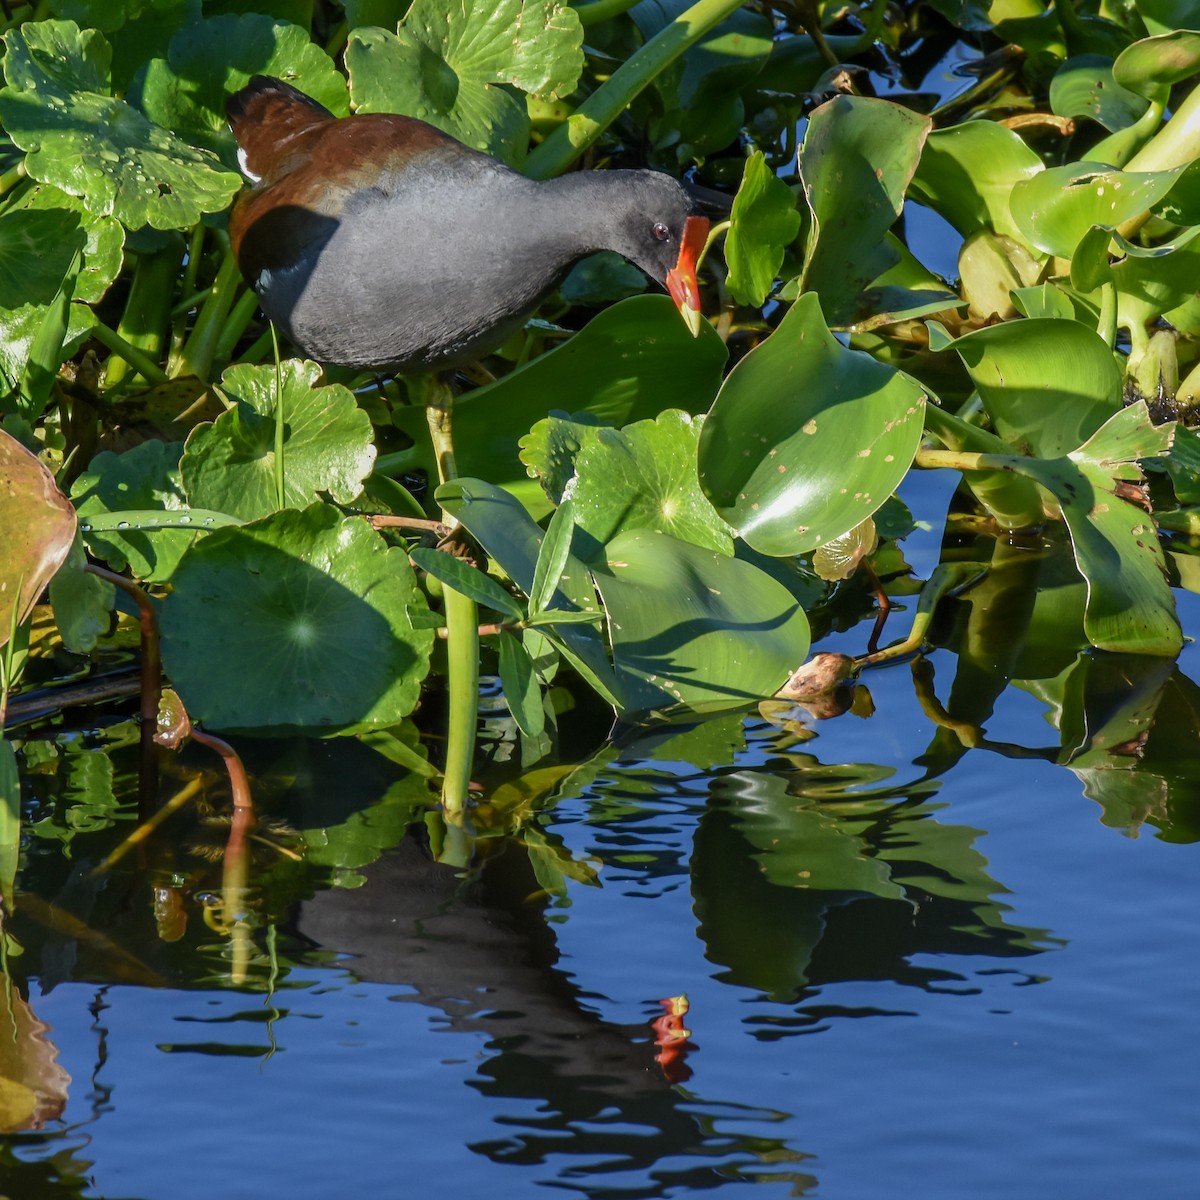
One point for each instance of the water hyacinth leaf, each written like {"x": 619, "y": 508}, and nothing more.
{"x": 1090, "y": 266}
{"x": 629, "y": 362}
{"x": 967, "y": 173}
{"x": 693, "y": 627}
{"x": 644, "y": 477}
{"x": 991, "y": 267}
{"x": 1152, "y": 65}
{"x": 37, "y": 527}
{"x": 470, "y": 581}
{"x": 807, "y": 439}
{"x": 444, "y": 66}
{"x": 764, "y": 222}
{"x": 1055, "y": 209}
{"x": 1047, "y": 384}
{"x": 144, "y": 478}
{"x": 301, "y": 620}
{"x": 1045, "y": 300}
{"x": 499, "y": 523}
{"x": 82, "y": 602}
{"x": 905, "y": 291}
{"x": 229, "y": 465}
{"x": 520, "y": 685}
{"x": 92, "y": 145}
{"x": 856, "y": 163}
{"x": 207, "y": 61}
{"x": 1151, "y": 281}
{"x": 1084, "y": 87}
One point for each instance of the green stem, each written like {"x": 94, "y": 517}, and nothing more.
{"x": 12, "y": 177}
{"x": 1176, "y": 144}
{"x": 279, "y": 423}
{"x": 1106, "y": 327}
{"x": 601, "y": 10}
{"x": 129, "y": 354}
{"x": 143, "y": 324}
{"x": 196, "y": 357}
{"x": 608, "y": 101}
{"x": 462, "y": 619}
{"x": 239, "y": 317}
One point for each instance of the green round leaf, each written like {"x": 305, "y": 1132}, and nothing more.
{"x": 230, "y": 464}
{"x": 303, "y": 620}
{"x": 644, "y": 477}
{"x": 210, "y": 60}
{"x": 807, "y": 439}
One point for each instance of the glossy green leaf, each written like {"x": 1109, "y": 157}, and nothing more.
{"x": 967, "y": 173}
{"x": 1129, "y": 603}
{"x": 446, "y": 65}
{"x": 552, "y": 557}
{"x": 146, "y": 477}
{"x": 93, "y": 145}
{"x": 1084, "y": 87}
{"x": 691, "y": 626}
{"x": 991, "y": 267}
{"x": 549, "y": 449}
{"x": 229, "y": 465}
{"x": 1151, "y": 66}
{"x": 47, "y": 348}
{"x": 473, "y": 583}
{"x": 630, "y": 362}
{"x": 304, "y": 620}
{"x": 1045, "y": 300}
{"x": 1054, "y": 209}
{"x": 36, "y": 250}
{"x": 644, "y": 477}
{"x": 764, "y": 222}
{"x": 1047, "y": 384}
{"x": 37, "y": 527}
{"x": 807, "y": 439}
{"x": 511, "y": 538}
{"x": 207, "y": 61}
{"x": 857, "y": 160}
{"x": 840, "y": 557}
{"x": 905, "y": 291}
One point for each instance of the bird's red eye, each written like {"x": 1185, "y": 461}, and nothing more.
{"x": 662, "y": 232}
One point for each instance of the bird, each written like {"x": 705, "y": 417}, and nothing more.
{"x": 377, "y": 241}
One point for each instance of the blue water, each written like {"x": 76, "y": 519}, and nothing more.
{"x": 1024, "y": 1029}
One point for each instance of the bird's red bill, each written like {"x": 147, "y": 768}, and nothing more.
{"x": 681, "y": 279}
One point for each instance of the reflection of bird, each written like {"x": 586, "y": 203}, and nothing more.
{"x": 376, "y": 240}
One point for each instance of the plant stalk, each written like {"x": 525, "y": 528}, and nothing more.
{"x": 607, "y": 102}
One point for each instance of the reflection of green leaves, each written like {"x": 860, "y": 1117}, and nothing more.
{"x": 764, "y": 223}
{"x": 446, "y": 66}
{"x": 806, "y": 438}
{"x": 302, "y": 619}
{"x": 644, "y": 477}
{"x": 95, "y": 146}
{"x": 230, "y": 464}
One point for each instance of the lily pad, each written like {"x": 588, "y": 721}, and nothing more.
{"x": 302, "y": 620}
{"x": 230, "y": 464}
{"x": 693, "y": 627}
{"x": 451, "y": 66}
{"x": 644, "y": 477}
{"x": 764, "y": 223}
{"x": 807, "y": 439}
{"x": 209, "y": 60}
{"x": 37, "y": 527}
{"x": 92, "y": 145}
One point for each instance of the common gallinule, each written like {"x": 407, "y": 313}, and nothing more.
{"x": 378, "y": 241}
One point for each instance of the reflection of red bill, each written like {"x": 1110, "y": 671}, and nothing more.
{"x": 681, "y": 279}
{"x": 671, "y": 1036}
